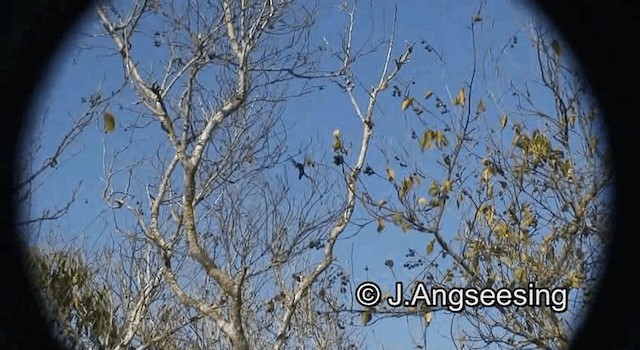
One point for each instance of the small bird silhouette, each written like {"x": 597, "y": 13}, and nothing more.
{"x": 300, "y": 168}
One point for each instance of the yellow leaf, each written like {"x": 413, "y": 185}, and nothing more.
{"x": 434, "y": 189}
{"x": 383, "y": 85}
{"x": 502, "y": 229}
{"x": 486, "y": 174}
{"x": 527, "y": 213}
{"x": 555, "y": 45}
{"x": 428, "y": 94}
{"x": 490, "y": 190}
{"x": 481, "y": 107}
{"x": 365, "y": 317}
{"x": 461, "y": 340}
{"x": 459, "y": 200}
{"x": 574, "y": 280}
{"x": 269, "y": 306}
{"x": 109, "y": 122}
{"x": 337, "y": 141}
{"x": 422, "y": 201}
{"x": 405, "y": 186}
{"x": 428, "y": 316}
{"x": 519, "y": 275}
{"x": 488, "y": 213}
{"x": 425, "y": 142}
{"x": 391, "y": 175}
{"x": 490, "y": 281}
{"x": 541, "y": 146}
{"x": 460, "y": 99}
{"x": 572, "y": 120}
{"x": 448, "y": 277}
{"x": 397, "y": 217}
{"x": 446, "y": 186}
{"x": 569, "y": 171}
{"x": 441, "y": 139}
{"x": 529, "y": 220}
{"x": 406, "y": 103}
{"x": 430, "y": 247}
{"x": 503, "y": 121}
{"x": 592, "y": 145}
{"x": 380, "y": 224}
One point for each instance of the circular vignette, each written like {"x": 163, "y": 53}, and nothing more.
{"x": 600, "y": 33}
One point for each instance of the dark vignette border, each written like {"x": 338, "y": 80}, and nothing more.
{"x": 602, "y": 34}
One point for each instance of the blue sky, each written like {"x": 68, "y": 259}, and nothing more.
{"x": 443, "y": 24}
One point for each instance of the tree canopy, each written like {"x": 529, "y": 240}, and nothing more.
{"x": 254, "y": 162}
